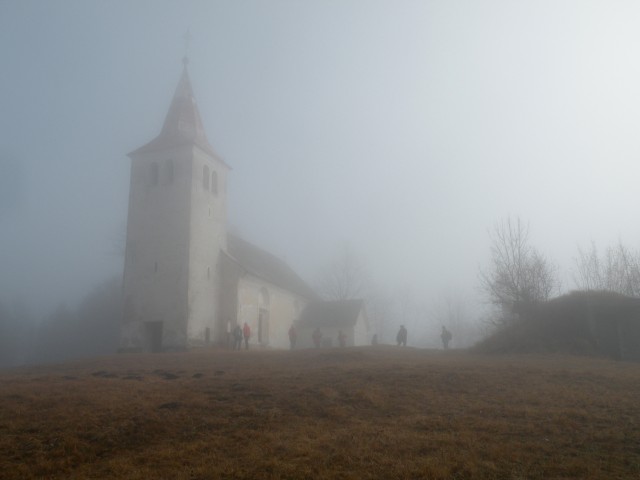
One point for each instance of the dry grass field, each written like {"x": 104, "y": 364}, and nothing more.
{"x": 344, "y": 413}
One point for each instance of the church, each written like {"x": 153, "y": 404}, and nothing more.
{"x": 187, "y": 280}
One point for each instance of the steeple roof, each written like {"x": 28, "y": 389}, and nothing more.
{"x": 183, "y": 124}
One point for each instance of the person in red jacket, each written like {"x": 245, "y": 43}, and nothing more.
{"x": 246, "y": 331}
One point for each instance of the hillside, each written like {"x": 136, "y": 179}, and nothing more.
{"x": 351, "y": 413}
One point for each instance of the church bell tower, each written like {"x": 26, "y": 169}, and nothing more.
{"x": 176, "y": 228}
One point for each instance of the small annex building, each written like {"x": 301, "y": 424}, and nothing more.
{"x": 187, "y": 280}
{"x": 331, "y": 318}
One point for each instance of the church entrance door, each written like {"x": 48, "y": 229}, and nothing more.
{"x": 153, "y": 336}
{"x": 263, "y": 326}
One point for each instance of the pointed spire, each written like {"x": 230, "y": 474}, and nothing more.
{"x": 183, "y": 124}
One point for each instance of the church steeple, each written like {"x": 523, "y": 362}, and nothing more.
{"x": 176, "y": 229}
{"x": 182, "y": 124}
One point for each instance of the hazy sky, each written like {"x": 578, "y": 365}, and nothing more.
{"x": 407, "y": 128}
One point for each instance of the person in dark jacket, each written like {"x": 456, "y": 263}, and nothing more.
{"x": 446, "y": 337}
{"x": 401, "y": 338}
{"x": 293, "y": 336}
{"x": 237, "y": 338}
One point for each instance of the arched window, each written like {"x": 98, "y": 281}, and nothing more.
{"x": 168, "y": 168}
{"x": 153, "y": 173}
{"x": 205, "y": 177}
{"x": 214, "y": 182}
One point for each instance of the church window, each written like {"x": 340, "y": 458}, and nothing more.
{"x": 214, "y": 182}
{"x": 205, "y": 177}
{"x": 153, "y": 171}
{"x": 168, "y": 172}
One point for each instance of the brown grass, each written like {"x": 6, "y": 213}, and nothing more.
{"x": 350, "y": 414}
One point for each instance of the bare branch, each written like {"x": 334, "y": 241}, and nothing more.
{"x": 345, "y": 278}
{"x": 519, "y": 274}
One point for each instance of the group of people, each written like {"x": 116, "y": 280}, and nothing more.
{"x": 244, "y": 333}
{"x": 240, "y": 333}
{"x": 317, "y": 338}
{"x": 401, "y": 338}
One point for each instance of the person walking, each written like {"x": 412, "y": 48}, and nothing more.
{"x": 246, "y": 331}
{"x": 237, "y": 338}
{"x": 446, "y": 337}
{"x": 401, "y": 338}
{"x": 293, "y": 336}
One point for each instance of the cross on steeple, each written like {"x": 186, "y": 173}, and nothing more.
{"x": 187, "y": 42}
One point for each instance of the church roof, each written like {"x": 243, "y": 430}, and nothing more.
{"x": 339, "y": 313}
{"x": 266, "y": 266}
{"x": 183, "y": 125}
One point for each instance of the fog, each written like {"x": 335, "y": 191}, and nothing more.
{"x": 403, "y": 129}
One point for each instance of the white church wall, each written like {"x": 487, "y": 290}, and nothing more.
{"x": 283, "y": 306}
{"x": 361, "y": 331}
{"x": 155, "y": 276}
{"x": 208, "y": 236}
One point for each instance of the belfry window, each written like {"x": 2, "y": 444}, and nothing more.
{"x": 153, "y": 173}
{"x": 205, "y": 177}
{"x": 214, "y": 182}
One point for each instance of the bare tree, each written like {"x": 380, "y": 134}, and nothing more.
{"x": 455, "y": 312}
{"x": 589, "y": 273}
{"x": 519, "y": 275}
{"x": 617, "y": 271}
{"x": 344, "y": 278}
